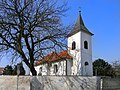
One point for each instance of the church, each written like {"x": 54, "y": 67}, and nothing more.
{"x": 77, "y": 60}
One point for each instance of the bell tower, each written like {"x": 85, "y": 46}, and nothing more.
{"x": 80, "y": 48}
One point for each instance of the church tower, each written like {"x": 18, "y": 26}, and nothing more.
{"x": 80, "y": 48}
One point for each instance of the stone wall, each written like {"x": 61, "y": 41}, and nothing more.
{"x": 10, "y": 83}
{"x": 49, "y": 83}
{"x": 110, "y": 83}
{"x": 65, "y": 83}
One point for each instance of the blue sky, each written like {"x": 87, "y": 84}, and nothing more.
{"x": 101, "y": 17}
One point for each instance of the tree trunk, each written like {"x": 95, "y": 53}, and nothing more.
{"x": 32, "y": 68}
{"x": 33, "y": 71}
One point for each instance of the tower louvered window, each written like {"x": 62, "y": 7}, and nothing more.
{"x": 85, "y": 44}
{"x": 86, "y": 63}
{"x": 73, "y": 45}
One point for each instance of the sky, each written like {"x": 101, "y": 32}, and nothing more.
{"x": 102, "y": 18}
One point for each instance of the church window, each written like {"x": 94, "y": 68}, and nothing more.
{"x": 85, "y": 44}
{"x": 55, "y": 68}
{"x": 49, "y": 64}
{"x": 86, "y": 64}
{"x": 73, "y": 45}
{"x": 40, "y": 70}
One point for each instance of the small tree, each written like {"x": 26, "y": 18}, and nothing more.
{"x": 8, "y": 70}
{"x": 22, "y": 71}
{"x": 30, "y": 28}
{"x": 102, "y": 68}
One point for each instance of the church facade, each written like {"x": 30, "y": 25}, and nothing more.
{"x": 77, "y": 60}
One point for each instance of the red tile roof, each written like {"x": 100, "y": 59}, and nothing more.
{"x": 52, "y": 57}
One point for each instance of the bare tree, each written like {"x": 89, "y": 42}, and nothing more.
{"x": 29, "y": 28}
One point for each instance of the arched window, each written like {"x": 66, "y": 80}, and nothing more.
{"x": 85, "y": 44}
{"x": 55, "y": 68}
{"x": 40, "y": 69}
{"x": 73, "y": 45}
{"x": 86, "y": 63}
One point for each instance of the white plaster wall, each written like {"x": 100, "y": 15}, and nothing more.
{"x": 76, "y": 63}
{"x": 75, "y": 53}
{"x": 86, "y": 54}
{"x": 61, "y": 68}
{"x": 76, "y": 38}
{"x": 81, "y": 55}
{"x": 69, "y": 66}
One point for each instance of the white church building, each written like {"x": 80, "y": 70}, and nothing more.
{"x": 77, "y": 60}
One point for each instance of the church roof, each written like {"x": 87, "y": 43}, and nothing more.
{"x": 79, "y": 26}
{"x": 52, "y": 57}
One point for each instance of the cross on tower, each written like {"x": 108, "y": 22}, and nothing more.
{"x": 79, "y": 10}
